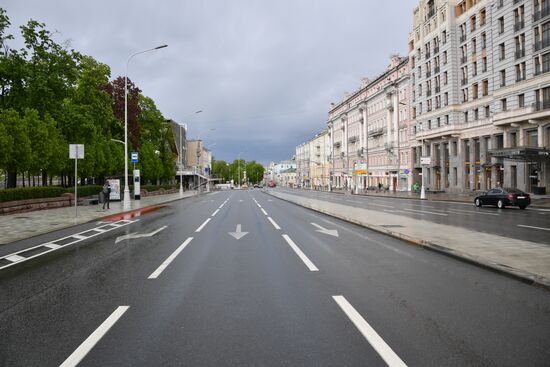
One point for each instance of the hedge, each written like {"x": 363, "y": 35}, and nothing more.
{"x": 24, "y": 193}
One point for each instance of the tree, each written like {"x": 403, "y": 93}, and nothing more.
{"x": 254, "y": 172}
{"x": 220, "y": 169}
{"x": 19, "y": 145}
{"x": 116, "y": 90}
{"x": 150, "y": 163}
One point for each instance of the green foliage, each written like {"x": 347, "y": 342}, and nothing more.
{"x": 88, "y": 190}
{"x": 254, "y": 172}
{"x": 24, "y": 193}
{"x": 52, "y": 96}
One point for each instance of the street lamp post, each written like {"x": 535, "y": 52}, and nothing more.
{"x": 198, "y": 157}
{"x": 126, "y": 203}
{"x": 422, "y": 188}
{"x": 239, "y": 168}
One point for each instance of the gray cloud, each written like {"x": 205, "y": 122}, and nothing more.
{"x": 264, "y": 73}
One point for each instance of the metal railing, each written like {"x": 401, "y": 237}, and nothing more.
{"x": 520, "y": 53}
{"x": 519, "y": 25}
{"x": 540, "y": 14}
{"x": 542, "y": 105}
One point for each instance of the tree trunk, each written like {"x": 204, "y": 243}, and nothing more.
{"x": 44, "y": 178}
{"x": 12, "y": 180}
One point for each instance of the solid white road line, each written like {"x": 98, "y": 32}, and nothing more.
{"x": 382, "y": 205}
{"x": 541, "y": 228}
{"x": 96, "y": 336}
{"x": 202, "y": 225}
{"x": 216, "y": 212}
{"x": 300, "y": 254}
{"x": 274, "y": 224}
{"x": 170, "y": 258}
{"x": 379, "y": 345}
{"x": 263, "y": 211}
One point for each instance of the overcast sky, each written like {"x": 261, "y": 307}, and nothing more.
{"x": 263, "y": 72}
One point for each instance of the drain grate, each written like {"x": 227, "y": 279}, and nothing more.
{"x": 391, "y": 226}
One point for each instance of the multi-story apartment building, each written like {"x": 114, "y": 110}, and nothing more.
{"x": 480, "y": 84}
{"x": 313, "y": 163}
{"x": 303, "y": 157}
{"x": 198, "y": 161}
{"x": 319, "y": 162}
{"x": 368, "y": 133}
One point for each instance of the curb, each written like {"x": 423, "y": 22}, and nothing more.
{"x": 524, "y": 277}
{"x": 69, "y": 225}
{"x": 418, "y": 199}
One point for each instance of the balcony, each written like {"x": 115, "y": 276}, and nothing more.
{"x": 377, "y": 132}
{"x": 352, "y": 139}
{"x": 541, "y": 14}
{"x": 519, "y": 54}
{"x": 542, "y": 105}
{"x": 520, "y": 24}
{"x": 518, "y": 114}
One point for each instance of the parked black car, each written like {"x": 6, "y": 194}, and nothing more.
{"x": 502, "y": 198}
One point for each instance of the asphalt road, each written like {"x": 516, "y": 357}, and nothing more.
{"x": 532, "y": 224}
{"x": 286, "y": 293}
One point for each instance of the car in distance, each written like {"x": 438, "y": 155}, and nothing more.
{"x": 503, "y": 197}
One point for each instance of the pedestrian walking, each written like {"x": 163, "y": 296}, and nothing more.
{"x": 106, "y": 195}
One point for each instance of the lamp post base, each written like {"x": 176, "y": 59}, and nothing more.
{"x": 126, "y": 203}
{"x": 422, "y": 193}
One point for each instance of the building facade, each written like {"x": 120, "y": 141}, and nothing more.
{"x": 481, "y": 92}
{"x": 369, "y": 133}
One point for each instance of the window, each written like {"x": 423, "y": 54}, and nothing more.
{"x": 521, "y": 100}
{"x": 475, "y": 91}
{"x": 446, "y": 98}
{"x": 482, "y": 17}
{"x": 503, "y": 78}
{"x": 465, "y": 95}
{"x": 532, "y": 138}
{"x": 487, "y": 111}
{"x": 485, "y": 87}
{"x": 474, "y": 68}
{"x": 483, "y": 41}
{"x": 501, "y": 51}
{"x": 501, "y": 25}
{"x": 465, "y": 116}
{"x": 473, "y": 23}
{"x": 446, "y": 119}
{"x": 445, "y": 58}
{"x": 520, "y": 72}
{"x": 484, "y": 65}
{"x": 445, "y": 79}
{"x": 474, "y": 45}
{"x": 503, "y": 105}
{"x": 476, "y": 114}
{"x": 444, "y": 37}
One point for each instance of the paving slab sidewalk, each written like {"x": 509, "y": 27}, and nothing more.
{"x": 16, "y": 227}
{"x": 524, "y": 260}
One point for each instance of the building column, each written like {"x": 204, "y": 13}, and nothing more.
{"x": 443, "y": 169}
{"x": 494, "y": 169}
{"x": 482, "y": 160}
{"x": 472, "y": 159}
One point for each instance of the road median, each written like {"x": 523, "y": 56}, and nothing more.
{"x": 526, "y": 261}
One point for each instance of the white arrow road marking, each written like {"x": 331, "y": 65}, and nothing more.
{"x": 135, "y": 235}
{"x": 96, "y": 336}
{"x": 269, "y": 200}
{"x": 330, "y": 232}
{"x": 238, "y": 234}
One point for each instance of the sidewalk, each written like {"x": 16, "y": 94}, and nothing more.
{"x": 524, "y": 260}
{"x": 537, "y": 201}
{"x": 24, "y": 225}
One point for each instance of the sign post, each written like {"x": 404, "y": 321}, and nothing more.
{"x": 76, "y": 152}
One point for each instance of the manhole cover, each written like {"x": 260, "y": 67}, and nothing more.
{"x": 391, "y": 226}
